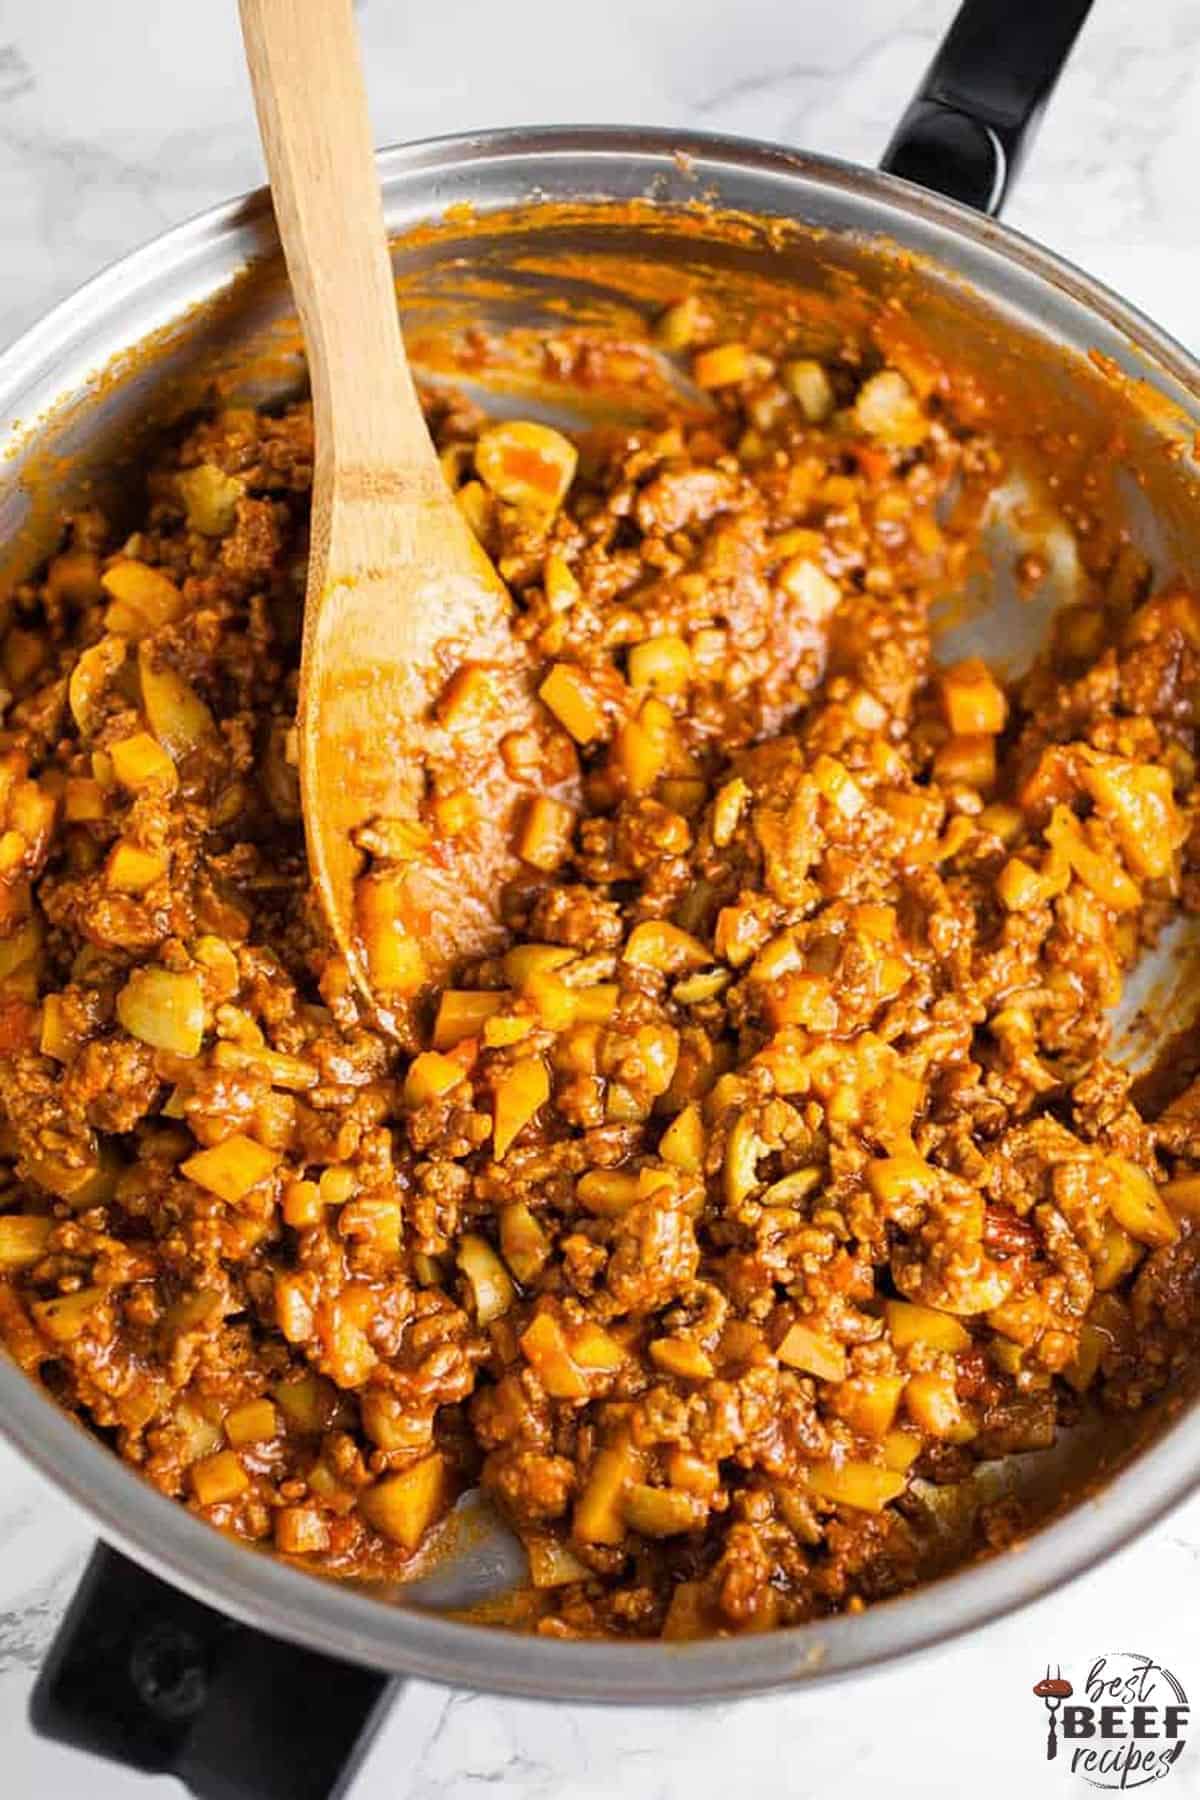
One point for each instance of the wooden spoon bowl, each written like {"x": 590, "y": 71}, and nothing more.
{"x": 410, "y": 674}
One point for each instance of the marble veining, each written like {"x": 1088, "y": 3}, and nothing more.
{"x": 119, "y": 119}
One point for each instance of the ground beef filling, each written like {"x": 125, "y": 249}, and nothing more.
{"x": 771, "y": 1180}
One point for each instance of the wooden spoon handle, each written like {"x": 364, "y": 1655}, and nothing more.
{"x": 306, "y": 73}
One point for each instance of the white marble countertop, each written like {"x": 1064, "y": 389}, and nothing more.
{"x": 118, "y": 119}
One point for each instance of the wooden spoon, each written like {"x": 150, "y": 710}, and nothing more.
{"x": 400, "y": 597}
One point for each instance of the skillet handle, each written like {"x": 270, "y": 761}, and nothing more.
{"x": 145, "y": 1676}
{"x": 974, "y": 114}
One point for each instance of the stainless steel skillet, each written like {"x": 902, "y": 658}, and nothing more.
{"x": 141, "y": 1670}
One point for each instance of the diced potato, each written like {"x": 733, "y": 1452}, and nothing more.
{"x": 394, "y": 960}
{"x": 178, "y": 716}
{"x": 302, "y": 1205}
{"x": 506, "y": 1029}
{"x": 525, "y": 961}
{"x": 337, "y": 1185}
{"x": 657, "y": 944}
{"x": 402, "y": 1507}
{"x": 520, "y": 1091}
{"x": 132, "y": 870}
{"x": 395, "y": 840}
{"x": 163, "y": 1008}
{"x": 647, "y": 746}
{"x": 595, "y": 1005}
{"x": 578, "y": 1050}
{"x": 544, "y": 840}
{"x": 813, "y": 1352}
{"x": 887, "y": 410}
{"x": 372, "y": 1220}
{"x": 816, "y": 595}
{"x": 909, "y": 1323}
{"x": 198, "y": 1435}
{"x": 430, "y": 1076}
{"x": 678, "y": 327}
{"x": 388, "y": 1422}
{"x": 1103, "y": 875}
{"x": 1138, "y": 800}
{"x": 526, "y": 465}
{"x": 23, "y": 1239}
{"x": 599, "y": 1518}
{"x": 218, "y": 1478}
{"x": 308, "y": 1402}
{"x": 523, "y": 1242}
{"x": 1137, "y": 1205}
{"x": 932, "y": 1404}
{"x": 67, "y": 1316}
{"x": 491, "y": 1285}
{"x": 683, "y": 1357}
{"x": 967, "y": 761}
{"x": 662, "y": 1511}
{"x": 230, "y": 1169}
{"x": 257, "y": 1422}
{"x": 839, "y": 787}
{"x": 562, "y": 589}
{"x": 210, "y": 498}
{"x": 468, "y": 697}
{"x": 608, "y": 1192}
{"x": 145, "y": 598}
{"x": 901, "y": 1449}
{"x": 300, "y": 1531}
{"x": 553, "y": 1000}
{"x": 727, "y": 364}
{"x": 973, "y": 702}
{"x": 662, "y": 664}
{"x": 569, "y": 695}
{"x": 1006, "y": 822}
{"x": 868, "y": 1402}
{"x": 901, "y": 1181}
{"x": 57, "y": 1039}
{"x": 84, "y": 800}
{"x": 552, "y": 1564}
{"x": 858, "y": 1484}
{"x": 1119, "y": 1256}
{"x": 545, "y": 1348}
{"x": 682, "y": 1143}
{"x": 462, "y": 1013}
{"x": 1020, "y": 887}
{"x": 690, "y": 1472}
{"x": 594, "y": 1348}
{"x": 454, "y": 813}
{"x": 810, "y": 387}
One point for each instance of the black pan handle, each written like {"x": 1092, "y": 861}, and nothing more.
{"x": 144, "y": 1675}
{"x": 972, "y": 118}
